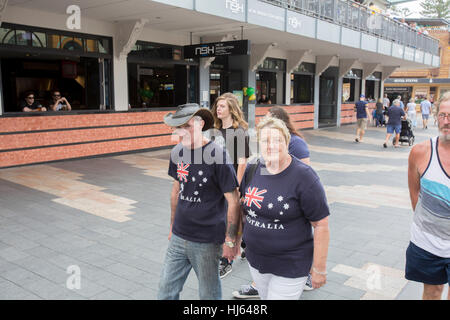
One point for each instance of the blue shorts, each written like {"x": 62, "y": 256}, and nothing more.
{"x": 423, "y": 266}
{"x": 425, "y": 116}
{"x": 391, "y": 128}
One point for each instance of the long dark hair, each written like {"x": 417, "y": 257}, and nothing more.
{"x": 280, "y": 113}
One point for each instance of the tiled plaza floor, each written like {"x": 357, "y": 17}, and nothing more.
{"x": 109, "y": 218}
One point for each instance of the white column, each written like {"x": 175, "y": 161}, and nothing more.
{"x": 204, "y": 83}
{"x": 120, "y": 76}
{"x": 316, "y": 100}
{"x": 288, "y": 89}
{"x": 339, "y": 101}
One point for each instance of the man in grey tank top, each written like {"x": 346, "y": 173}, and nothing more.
{"x": 428, "y": 254}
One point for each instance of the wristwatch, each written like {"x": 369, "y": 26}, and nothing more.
{"x": 230, "y": 244}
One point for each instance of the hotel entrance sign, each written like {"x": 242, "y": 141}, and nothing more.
{"x": 226, "y": 48}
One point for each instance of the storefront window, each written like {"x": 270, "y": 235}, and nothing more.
{"x": 83, "y": 80}
{"x": 157, "y": 78}
{"x": 302, "y": 88}
{"x": 54, "y": 41}
{"x": 420, "y": 94}
{"x": 351, "y": 88}
{"x": 393, "y": 93}
{"x": 39, "y": 40}
{"x": 373, "y": 86}
{"x": 433, "y": 94}
{"x": 23, "y": 38}
{"x": 302, "y": 83}
{"x": 271, "y": 81}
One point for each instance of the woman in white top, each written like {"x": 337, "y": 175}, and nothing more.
{"x": 411, "y": 110}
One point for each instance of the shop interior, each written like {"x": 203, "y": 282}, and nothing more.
{"x": 76, "y": 78}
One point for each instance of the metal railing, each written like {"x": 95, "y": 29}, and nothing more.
{"x": 358, "y": 17}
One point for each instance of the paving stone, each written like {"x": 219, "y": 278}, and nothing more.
{"x": 12, "y": 254}
{"x": 109, "y": 295}
{"x": 145, "y": 294}
{"x": 119, "y": 285}
{"x": 11, "y": 291}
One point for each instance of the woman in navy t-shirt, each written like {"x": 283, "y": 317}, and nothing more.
{"x": 279, "y": 213}
{"x": 299, "y": 149}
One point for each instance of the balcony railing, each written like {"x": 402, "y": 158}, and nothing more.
{"x": 355, "y": 16}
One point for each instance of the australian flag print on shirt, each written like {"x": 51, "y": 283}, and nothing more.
{"x": 279, "y": 209}
{"x": 201, "y": 208}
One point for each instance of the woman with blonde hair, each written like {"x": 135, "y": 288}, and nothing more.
{"x": 279, "y": 211}
{"x": 231, "y": 133}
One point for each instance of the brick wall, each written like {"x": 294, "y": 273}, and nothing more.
{"x": 35, "y": 139}
{"x": 302, "y": 116}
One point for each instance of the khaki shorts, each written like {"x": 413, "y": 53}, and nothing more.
{"x": 362, "y": 123}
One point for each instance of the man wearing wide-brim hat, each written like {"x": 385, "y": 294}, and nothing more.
{"x": 204, "y": 206}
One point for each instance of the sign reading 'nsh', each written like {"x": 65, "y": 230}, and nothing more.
{"x": 226, "y": 48}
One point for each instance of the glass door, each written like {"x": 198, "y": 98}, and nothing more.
{"x": 327, "y": 102}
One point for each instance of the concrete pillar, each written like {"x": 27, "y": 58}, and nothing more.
{"x": 120, "y": 76}
{"x": 288, "y": 89}
{"x": 357, "y": 91}
{"x": 249, "y": 109}
{"x": 316, "y": 100}
{"x": 204, "y": 83}
{"x": 340, "y": 83}
{"x": 363, "y": 86}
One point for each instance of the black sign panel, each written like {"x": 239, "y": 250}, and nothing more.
{"x": 216, "y": 49}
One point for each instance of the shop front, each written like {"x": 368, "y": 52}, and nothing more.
{"x": 39, "y": 61}
{"x": 159, "y": 77}
{"x": 36, "y": 62}
{"x": 301, "y": 96}
{"x": 271, "y": 81}
{"x": 416, "y": 88}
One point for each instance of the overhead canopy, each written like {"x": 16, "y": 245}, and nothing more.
{"x": 394, "y": 2}
{"x": 435, "y": 22}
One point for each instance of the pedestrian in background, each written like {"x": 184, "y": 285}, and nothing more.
{"x": 362, "y": 114}
{"x": 425, "y": 109}
{"x": 395, "y": 113}
{"x": 411, "y": 112}
{"x": 379, "y": 113}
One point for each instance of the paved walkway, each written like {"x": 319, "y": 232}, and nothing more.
{"x": 108, "y": 218}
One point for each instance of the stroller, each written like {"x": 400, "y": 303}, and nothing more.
{"x": 406, "y": 134}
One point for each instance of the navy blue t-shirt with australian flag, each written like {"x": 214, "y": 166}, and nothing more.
{"x": 279, "y": 209}
{"x": 204, "y": 174}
